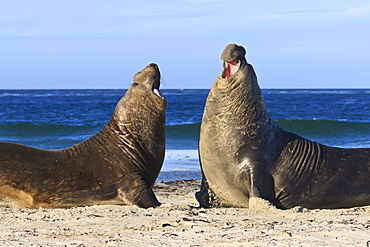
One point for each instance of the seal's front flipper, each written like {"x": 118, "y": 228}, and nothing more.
{"x": 138, "y": 193}
{"x": 203, "y": 195}
{"x": 206, "y": 197}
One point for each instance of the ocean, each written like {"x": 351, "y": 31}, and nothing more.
{"x": 54, "y": 119}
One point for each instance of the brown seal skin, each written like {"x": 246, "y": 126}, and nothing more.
{"x": 245, "y": 154}
{"x": 118, "y": 165}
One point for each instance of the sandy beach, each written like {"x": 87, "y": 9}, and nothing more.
{"x": 180, "y": 222}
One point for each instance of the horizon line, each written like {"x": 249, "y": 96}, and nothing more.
{"x": 272, "y": 88}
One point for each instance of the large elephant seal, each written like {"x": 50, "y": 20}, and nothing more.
{"x": 245, "y": 155}
{"x": 118, "y": 165}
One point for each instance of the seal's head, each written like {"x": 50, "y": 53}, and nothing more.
{"x": 144, "y": 92}
{"x": 142, "y": 107}
{"x": 233, "y": 57}
{"x": 147, "y": 82}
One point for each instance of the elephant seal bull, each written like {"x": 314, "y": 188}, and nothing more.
{"x": 118, "y": 165}
{"x": 245, "y": 155}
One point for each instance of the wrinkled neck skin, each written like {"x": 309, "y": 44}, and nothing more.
{"x": 238, "y": 104}
{"x": 139, "y": 121}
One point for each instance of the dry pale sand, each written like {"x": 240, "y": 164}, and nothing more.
{"x": 179, "y": 222}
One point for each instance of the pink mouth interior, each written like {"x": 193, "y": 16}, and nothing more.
{"x": 230, "y": 68}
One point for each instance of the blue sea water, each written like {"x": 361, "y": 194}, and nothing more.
{"x": 54, "y": 119}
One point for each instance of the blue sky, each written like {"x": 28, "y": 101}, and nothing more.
{"x": 102, "y": 44}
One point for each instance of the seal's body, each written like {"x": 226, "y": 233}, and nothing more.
{"x": 119, "y": 165}
{"x": 245, "y": 154}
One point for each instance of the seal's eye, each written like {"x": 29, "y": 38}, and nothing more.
{"x": 135, "y": 84}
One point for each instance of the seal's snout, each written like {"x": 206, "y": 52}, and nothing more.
{"x": 153, "y": 65}
{"x": 156, "y": 79}
{"x": 150, "y": 76}
{"x": 232, "y": 56}
{"x": 233, "y": 52}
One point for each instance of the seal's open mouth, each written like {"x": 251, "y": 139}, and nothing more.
{"x": 230, "y": 68}
{"x": 155, "y": 89}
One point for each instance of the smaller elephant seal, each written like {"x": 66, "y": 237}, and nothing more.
{"x": 245, "y": 155}
{"x": 118, "y": 165}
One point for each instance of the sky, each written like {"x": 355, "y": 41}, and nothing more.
{"x": 89, "y": 44}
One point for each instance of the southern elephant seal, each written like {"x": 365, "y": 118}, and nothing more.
{"x": 244, "y": 154}
{"x": 118, "y": 165}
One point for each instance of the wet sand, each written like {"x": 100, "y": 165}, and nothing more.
{"x": 180, "y": 222}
